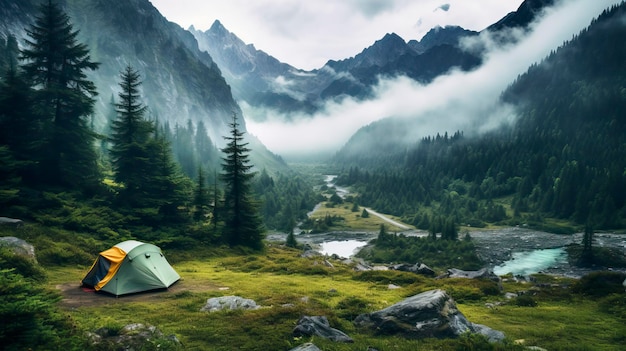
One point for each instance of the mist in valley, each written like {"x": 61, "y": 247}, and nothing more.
{"x": 458, "y": 101}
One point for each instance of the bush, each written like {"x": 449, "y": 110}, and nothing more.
{"x": 525, "y": 301}
{"x": 388, "y": 277}
{"x": 62, "y": 253}
{"x": 29, "y": 318}
{"x": 600, "y": 283}
{"x": 21, "y": 265}
{"x": 350, "y": 307}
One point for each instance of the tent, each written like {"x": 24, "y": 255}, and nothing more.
{"x": 129, "y": 267}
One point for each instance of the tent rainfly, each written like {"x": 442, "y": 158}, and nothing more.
{"x": 130, "y": 267}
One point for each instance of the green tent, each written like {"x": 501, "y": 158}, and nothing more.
{"x": 130, "y": 267}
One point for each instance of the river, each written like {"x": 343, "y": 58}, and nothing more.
{"x": 516, "y": 250}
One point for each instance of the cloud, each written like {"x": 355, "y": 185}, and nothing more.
{"x": 457, "y": 101}
{"x": 306, "y": 34}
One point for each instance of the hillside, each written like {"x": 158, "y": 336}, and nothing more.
{"x": 562, "y": 157}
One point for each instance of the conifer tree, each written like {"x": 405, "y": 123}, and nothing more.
{"x": 56, "y": 65}
{"x": 201, "y": 196}
{"x": 130, "y": 136}
{"x": 242, "y": 223}
{"x": 142, "y": 160}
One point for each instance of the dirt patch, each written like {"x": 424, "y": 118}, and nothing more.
{"x": 74, "y": 296}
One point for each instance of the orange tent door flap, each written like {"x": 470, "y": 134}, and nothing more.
{"x": 115, "y": 255}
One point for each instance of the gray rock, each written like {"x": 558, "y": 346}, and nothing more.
{"x": 429, "y": 314}
{"x": 19, "y": 247}
{"x": 306, "y": 347}
{"x": 318, "y": 325}
{"x": 491, "y": 334}
{"x": 13, "y": 222}
{"x": 310, "y": 253}
{"x": 229, "y": 303}
{"x": 418, "y": 268}
{"x": 425, "y": 270}
{"x": 482, "y": 273}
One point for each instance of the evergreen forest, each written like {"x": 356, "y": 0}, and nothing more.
{"x": 563, "y": 158}
{"x": 235, "y": 219}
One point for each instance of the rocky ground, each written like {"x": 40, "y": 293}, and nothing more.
{"x": 497, "y": 246}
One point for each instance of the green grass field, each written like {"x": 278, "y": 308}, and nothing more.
{"x": 288, "y": 287}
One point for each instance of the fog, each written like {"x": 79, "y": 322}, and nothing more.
{"x": 466, "y": 101}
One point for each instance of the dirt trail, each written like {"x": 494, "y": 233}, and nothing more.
{"x": 387, "y": 219}
{"x": 74, "y": 296}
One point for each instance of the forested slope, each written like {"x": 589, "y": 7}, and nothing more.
{"x": 564, "y": 157}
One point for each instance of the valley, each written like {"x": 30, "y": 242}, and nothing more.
{"x": 480, "y": 171}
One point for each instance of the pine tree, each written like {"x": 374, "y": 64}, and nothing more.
{"x": 131, "y": 134}
{"x": 291, "y": 238}
{"x": 201, "y": 196}
{"x": 242, "y": 223}
{"x": 55, "y": 64}
{"x": 586, "y": 256}
{"x": 142, "y": 160}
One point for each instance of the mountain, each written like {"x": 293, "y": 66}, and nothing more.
{"x": 449, "y": 35}
{"x": 524, "y": 15}
{"x": 562, "y": 157}
{"x": 263, "y": 82}
{"x": 180, "y": 82}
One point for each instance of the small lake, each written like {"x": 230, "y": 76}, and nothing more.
{"x": 341, "y": 248}
{"x": 530, "y": 262}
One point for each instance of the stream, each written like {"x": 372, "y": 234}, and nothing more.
{"x": 516, "y": 250}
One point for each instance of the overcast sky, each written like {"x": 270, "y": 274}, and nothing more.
{"x": 306, "y": 34}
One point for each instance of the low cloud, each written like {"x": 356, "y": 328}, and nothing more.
{"x": 465, "y": 101}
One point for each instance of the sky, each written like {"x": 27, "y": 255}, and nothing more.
{"x": 306, "y": 34}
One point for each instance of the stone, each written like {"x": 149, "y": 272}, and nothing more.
{"x": 418, "y": 268}
{"x": 13, "y": 222}
{"x": 319, "y": 326}
{"x": 306, "y": 347}
{"x": 425, "y": 270}
{"x": 482, "y": 273}
{"x": 310, "y": 253}
{"x": 19, "y": 247}
{"x": 229, "y": 303}
{"x": 429, "y": 314}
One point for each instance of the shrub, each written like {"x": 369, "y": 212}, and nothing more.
{"x": 350, "y": 307}
{"x": 525, "y": 301}
{"x": 388, "y": 277}
{"x": 21, "y": 265}
{"x": 29, "y": 318}
{"x": 600, "y": 283}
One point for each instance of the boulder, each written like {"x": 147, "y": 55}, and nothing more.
{"x": 429, "y": 314}
{"x": 418, "y": 268}
{"x": 319, "y": 326}
{"x": 12, "y": 222}
{"x": 425, "y": 270}
{"x": 229, "y": 303}
{"x": 482, "y": 273}
{"x": 306, "y": 347}
{"x": 19, "y": 247}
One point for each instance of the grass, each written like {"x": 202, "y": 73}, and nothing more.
{"x": 288, "y": 287}
{"x": 352, "y": 220}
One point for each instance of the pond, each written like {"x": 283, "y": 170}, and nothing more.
{"x": 530, "y": 262}
{"x": 341, "y": 248}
